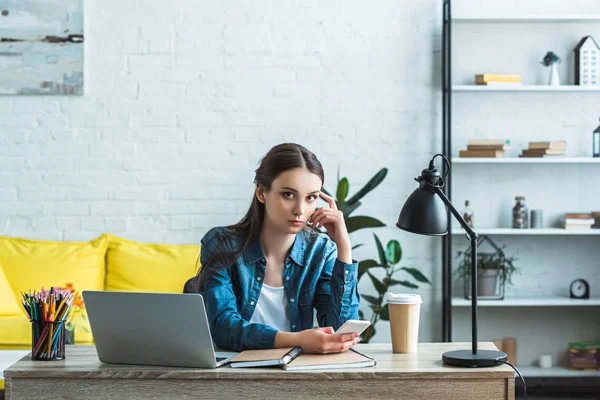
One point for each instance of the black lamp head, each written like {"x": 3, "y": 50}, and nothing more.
{"x": 424, "y": 212}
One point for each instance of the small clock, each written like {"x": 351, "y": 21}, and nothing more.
{"x": 579, "y": 289}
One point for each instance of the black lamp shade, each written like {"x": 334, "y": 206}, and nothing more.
{"x": 424, "y": 213}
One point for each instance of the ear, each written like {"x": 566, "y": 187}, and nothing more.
{"x": 260, "y": 194}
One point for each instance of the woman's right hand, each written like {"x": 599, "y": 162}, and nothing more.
{"x": 325, "y": 340}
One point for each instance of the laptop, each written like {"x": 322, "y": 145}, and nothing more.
{"x": 152, "y": 329}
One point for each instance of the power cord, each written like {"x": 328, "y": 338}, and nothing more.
{"x": 520, "y": 376}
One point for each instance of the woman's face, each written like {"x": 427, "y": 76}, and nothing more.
{"x": 291, "y": 200}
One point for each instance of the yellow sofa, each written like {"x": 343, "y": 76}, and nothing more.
{"x": 105, "y": 263}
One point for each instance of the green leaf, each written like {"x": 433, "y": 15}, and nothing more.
{"x": 393, "y": 252}
{"x": 379, "y": 286}
{"x": 364, "y": 265}
{"x": 348, "y": 209}
{"x": 356, "y": 246}
{"x": 361, "y": 314}
{"x": 416, "y": 274}
{"x": 403, "y": 283}
{"x": 370, "y": 299}
{"x": 355, "y": 223}
{"x": 385, "y": 313}
{"x": 380, "y": 250}
{"x": 326, "y": 192}
{"x": 372, "y": 184}
{"x": 342, "y": 190}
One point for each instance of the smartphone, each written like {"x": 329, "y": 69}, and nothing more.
{"x": 353, "y": 325}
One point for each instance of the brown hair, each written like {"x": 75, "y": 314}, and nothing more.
{"x": 281, "y": 158}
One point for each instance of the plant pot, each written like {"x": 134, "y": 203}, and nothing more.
{"x": 487, "y": 282}
{"x": 554, "y": 79}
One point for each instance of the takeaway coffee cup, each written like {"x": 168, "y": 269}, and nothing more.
{"x": 404, "y": 321}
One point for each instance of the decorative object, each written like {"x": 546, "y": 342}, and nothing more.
{"x": 426, "y": 212}
{"x": 545, "y": 361}
{"x": 520, "y": 219}
{"x": 388, "y": 257}
{"x": 494, "y": 271}
{"x": 537, "y": 219}
{"x": 41, "y": 47}
{"x": 579, "y": 289}
{"x": 77, "y": 311}
{"x": 551, "y": 60}
{"x": 467, "y": 213}
{"x": 587, "y": 62}
{"x": 596, "y": 142}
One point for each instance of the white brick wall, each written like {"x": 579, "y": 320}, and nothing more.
{"x": 183, "y": 97}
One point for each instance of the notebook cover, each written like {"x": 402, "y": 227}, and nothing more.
{"x": 347, "y": 359}
{"x": 265, "y": 358}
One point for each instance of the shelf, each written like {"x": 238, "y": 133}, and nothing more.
{"x": 530, "y": 371}
{"x": 528, "y": 302}
{"x": 525, "y": 88}
{"x": 521, "y": 232}
{"x": 527, "y": 160}
{"x": 530, "y": 18}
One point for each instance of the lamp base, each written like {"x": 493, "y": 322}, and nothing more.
{"x": 466, "y": 358}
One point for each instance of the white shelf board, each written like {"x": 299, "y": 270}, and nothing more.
{"x": 525, "y": 88}
{"x": 531, "y": 371}
{"x": 520, "y": 232}
{"x": 528, "y": 302}
{"x": 527, "y": 160}
{"x": 528, "y": 18}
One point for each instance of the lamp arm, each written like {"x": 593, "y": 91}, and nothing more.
{"x": 473, "y": 238}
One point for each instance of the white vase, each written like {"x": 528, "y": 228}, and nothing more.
{"x": 554, "y": 79}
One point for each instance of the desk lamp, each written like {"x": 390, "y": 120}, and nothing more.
{"x": 425, "y": 212}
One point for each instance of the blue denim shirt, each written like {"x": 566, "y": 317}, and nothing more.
{"x": 313, "y": 279}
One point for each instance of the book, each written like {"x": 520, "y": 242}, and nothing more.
{"x": 488, "y": 142}
{"x": 348, "y": 359}
{"x": 497, "y": 78}
{"x": 544, "y": 152}
{"x": 265, "y": 358}
{"x": 499, "y": 83}
{"x": 578, "y": 215}
{"x": 488, "y": 147}
{"x": 482, "y": 153}
{"x": 556, "y": 144}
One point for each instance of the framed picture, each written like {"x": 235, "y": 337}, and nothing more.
{"x": 41, "y": 47}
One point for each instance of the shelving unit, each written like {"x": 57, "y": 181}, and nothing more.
{"x": 529, "y": 302}
{"x": 523, "y": 232}
{"x": 527, "y": 160}
{"x": 524, "y": 88}
{"x": 499, "y": 53}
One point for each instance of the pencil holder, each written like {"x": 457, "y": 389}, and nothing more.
{"x": 47, "y": 340}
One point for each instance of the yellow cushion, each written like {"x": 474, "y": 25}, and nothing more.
{"x": 33, "y": 264}
{"x": 141, "y": 267}
{"x": 8, "y": 302}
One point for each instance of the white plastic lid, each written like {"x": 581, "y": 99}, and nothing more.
{"x": 404, "y": 298}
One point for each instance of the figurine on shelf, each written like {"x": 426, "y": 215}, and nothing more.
{"x": 550, "y": 60}
{"x": 467, "y": 214}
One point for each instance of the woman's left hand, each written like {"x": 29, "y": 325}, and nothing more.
{"x": 332, "y": 220}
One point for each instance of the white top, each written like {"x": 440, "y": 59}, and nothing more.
{"x": 272, "y": 308}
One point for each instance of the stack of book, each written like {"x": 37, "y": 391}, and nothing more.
{"x": 579, "y": 221}
{"x": 596, "y": 215}
{"x": 542, "y": 149}
{"x": 584, "y": 355}
{"x": 487, "y": 148}
{"x": 498, "y": 79}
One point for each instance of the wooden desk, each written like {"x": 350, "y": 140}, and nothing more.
{"x": 409, "y": 376}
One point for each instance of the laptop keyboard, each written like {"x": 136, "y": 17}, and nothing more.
{"x": 219, "y": 359}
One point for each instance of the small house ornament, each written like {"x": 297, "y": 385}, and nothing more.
{"x": 596, "y": 142}
{"x": 587, "y": 62}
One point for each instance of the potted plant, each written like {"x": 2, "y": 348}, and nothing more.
{"x": 550, "y": 60}
{"x": 388, "y": 256}
{"x": 494, "y": 271}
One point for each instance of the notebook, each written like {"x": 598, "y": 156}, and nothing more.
{"x": 265, "y": 358}
{"x": 347, "y": 359}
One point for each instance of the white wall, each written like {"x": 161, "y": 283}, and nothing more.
{"x": 184, "y": 96}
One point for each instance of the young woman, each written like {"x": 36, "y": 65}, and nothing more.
{"x": 263, "y": 277}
